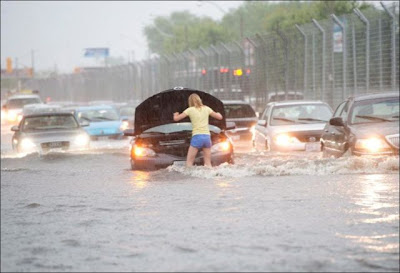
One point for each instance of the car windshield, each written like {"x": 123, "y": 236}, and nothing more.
{"x": 49, "y": 122}
{"x": 98, "y": 115}
{"x": 300, "y": 114}
{"x": 377, "y": 110}
{"x": 178, "y": 127}
{"x": 239, "y": 111}
{"x": 19, "y": 103}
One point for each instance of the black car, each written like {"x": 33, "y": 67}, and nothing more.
{"x": 159, "y": 141}
{"x": 364, "y": 125}
{"x": 244, "y": 116}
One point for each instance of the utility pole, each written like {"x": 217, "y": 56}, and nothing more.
{"x": 32, "y": 62}
{"x": 186, "y": 38}
{"x": 241, "y": 26}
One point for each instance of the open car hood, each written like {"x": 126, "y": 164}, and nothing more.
{"x": 159, "y": 108}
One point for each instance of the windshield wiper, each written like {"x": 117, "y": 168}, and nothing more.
{"x": 103, "y": 118}
{"x": 372, "y": 118}
{"x": 88, "y": 119}
{"x": 285, "y": 119}
{"x": 312, "y": 119}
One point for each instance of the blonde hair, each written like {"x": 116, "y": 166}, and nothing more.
{"x": 195, "y": 100}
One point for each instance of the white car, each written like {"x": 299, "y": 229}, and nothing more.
{"x": 11, "y": 110}
{"x": 292, "y": 125}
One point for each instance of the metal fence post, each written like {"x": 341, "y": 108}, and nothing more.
{"x": 393, "y": 47}
{"x": 366, "y": 23}
{"x": 323, "y": 57}
{"x": 305, "y": 60}
{"x": 344, "y": 53}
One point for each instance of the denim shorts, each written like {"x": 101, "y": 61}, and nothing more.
{"x": 201, "y": 141}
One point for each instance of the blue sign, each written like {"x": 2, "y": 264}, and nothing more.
{"x": 96, "y": 52}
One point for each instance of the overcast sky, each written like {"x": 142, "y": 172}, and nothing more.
{"x": 58, "y": 31}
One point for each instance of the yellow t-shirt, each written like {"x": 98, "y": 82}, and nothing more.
{"x": 199, "y": 119}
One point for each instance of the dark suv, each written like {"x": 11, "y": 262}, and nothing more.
{"x": 245, "y": 119}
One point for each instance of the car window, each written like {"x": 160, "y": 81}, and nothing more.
{"x": 98, "y": 115}
{"x": 339, "y": 109}
{"x": 49, "y": 122}
{"x": 377, "y": 110}
{"x": 265, "y": 113}
{"x": 239, "y": 111}
{"x": 344, "y": 111}
{"x": 300, "y": 114}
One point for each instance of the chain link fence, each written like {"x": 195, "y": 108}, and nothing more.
{"x": 327, "y": 60}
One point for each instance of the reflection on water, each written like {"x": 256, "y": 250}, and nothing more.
{"x": 375, "y": 204}
{"x": 139, "y": 179}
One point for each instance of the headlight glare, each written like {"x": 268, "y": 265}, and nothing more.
{"x": 27, "y": 144}
{"x": 285, "y": 139}
{"x": 124, "y": 125}
{"x": 82, "y": 140}
{"x": 138, "y": 151}
{"x": 372, "y": 144}
{"x": 223, "y": 146}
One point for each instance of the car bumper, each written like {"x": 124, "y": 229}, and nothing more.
{"x": 309, "y": 147}
{"x": 164, "y": 160}
{"x": 365, "y": 153}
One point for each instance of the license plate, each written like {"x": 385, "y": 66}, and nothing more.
{"x": 102, "y": 138}
{"x": 180, "y": 163}
{"x": 313, "y": 147}
{"x": 55, "y": 145}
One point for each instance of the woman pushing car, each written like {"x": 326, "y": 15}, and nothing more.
{"x": 201, "y": 139}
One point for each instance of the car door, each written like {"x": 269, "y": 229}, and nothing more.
{"x": 338, "y": 133}
{"x": 261, "y": 130}
{"x": 330, "y": 130}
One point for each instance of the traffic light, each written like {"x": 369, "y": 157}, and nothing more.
{"x": 30, "y": 72}
{"x": 9, "y": 68}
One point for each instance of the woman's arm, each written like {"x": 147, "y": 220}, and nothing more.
{"x": 216, "y": 115}
{"x": 178, "y": 117}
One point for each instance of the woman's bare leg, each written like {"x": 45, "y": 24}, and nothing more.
{"x": 207, "y": 157}
{"x": 192, "y": 152}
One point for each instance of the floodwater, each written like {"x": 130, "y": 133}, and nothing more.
{"x": 268, "y": 212}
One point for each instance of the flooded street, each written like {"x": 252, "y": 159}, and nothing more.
{"x": 268, "y": 212}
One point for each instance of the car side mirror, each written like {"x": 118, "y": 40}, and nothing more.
{"x": 129, "y": 132}
{"x": 84, "y": 123}
{"x": 337, "y": 121}
{"x": 15, "y": 128}
{"x": 262, "y": 122}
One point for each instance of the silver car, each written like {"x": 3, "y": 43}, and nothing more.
{"x": 292, "y": 125}
{"x": 45, "y": 132}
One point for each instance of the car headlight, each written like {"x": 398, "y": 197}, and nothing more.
{"x": 138, "y": 151}
{"x": 11, "y": 116}
{"x": 82, "y": 140}
{"x": 223, "y": 146}
{"x": 285, "y": 139}
{"x": 124, "y": 125}
{"x": 372, "y": 144}
{"x": 27, "y": 144}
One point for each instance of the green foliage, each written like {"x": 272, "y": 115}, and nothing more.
{"x": 183, "y": 30}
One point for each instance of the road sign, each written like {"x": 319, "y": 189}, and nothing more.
{"x": 96, "y": 52}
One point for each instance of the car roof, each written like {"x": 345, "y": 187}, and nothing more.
{"x": 234, "y": 102}
{"x": 23, "y": 96}
{"x": 94, "y": 107}
{"x": 374, "y": 96}
{"x": 295, "y": 102}
{"x": 49, "y": 113}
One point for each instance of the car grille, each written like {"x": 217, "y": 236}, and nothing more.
{"x": 394, "y": 140}
{"x": 310, "y": 137}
